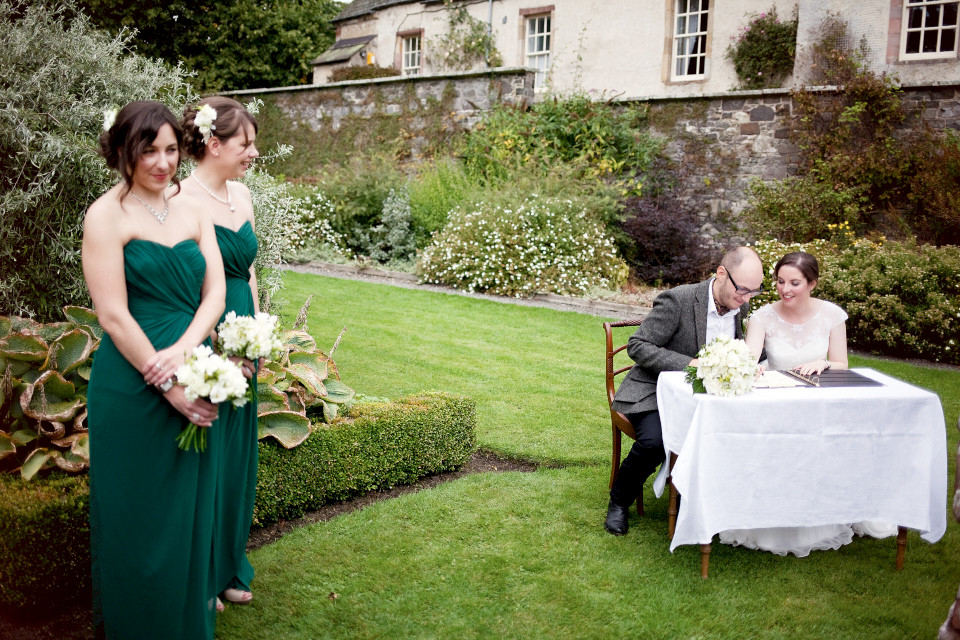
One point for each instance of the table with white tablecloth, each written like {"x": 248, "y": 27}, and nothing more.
{"x": 804, "y": 456}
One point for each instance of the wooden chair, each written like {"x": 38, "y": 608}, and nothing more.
{"x": 619, "y": 422}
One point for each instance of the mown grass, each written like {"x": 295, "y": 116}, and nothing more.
{"x": 524, "y": 555}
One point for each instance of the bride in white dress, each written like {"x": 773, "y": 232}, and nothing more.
{"x": 804, "y": 333}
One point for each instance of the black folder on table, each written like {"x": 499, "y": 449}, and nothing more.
{"x": 835, "y": 378}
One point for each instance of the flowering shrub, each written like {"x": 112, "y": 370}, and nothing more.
{"x": 467, "y": 44}
{"x": 902, "y": 299}
{"x": 542, "y": 246}
{"x": 312, "y": 228}
{"x": 763, "y": 52}
{"x": 800, "y": 209}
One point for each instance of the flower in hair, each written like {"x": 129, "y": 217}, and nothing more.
{"x": 109, "y": 117}
{"x": 204, "y": 121}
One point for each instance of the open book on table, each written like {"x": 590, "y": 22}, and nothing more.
{"x": 829, "y": 378}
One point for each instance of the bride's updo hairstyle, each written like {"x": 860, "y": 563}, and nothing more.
{"x": 134, "y": 129}
{"x": 802, "y": 262}
{"x": 230, "y": 121}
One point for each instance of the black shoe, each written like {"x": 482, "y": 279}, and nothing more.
{"x": 616, "y": 522}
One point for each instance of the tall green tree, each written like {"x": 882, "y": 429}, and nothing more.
{"x": 229, "y": 44}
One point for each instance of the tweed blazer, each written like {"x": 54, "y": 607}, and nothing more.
{"x": 669, "y": 338}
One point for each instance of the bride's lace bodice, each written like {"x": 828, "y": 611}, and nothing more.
{"x": 790, "y": 345}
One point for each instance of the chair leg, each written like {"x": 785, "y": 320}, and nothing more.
{"x": 704, "y": 560}
{"x": 901, "y": 546}
{"x": 615, "y": 463}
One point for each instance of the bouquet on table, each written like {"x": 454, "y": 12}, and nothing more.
{"x": 726, "y": 367}
{"x": 204, "y": 374}
{"x": 251, "y": 337}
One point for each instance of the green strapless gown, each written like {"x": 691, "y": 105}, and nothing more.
{"x": 237, "y": 480}
{"x": 151, "y": 504}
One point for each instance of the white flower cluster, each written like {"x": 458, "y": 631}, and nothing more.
{"x": 204, "y": 121}
{"x": 204, "y": 374}
{"x": 251, "y": 337}
{"x": 726, "y": 366}
{"x": 109, "y": 117}
{"x": 313, "y": 226}
{"x": 544, "y": 245}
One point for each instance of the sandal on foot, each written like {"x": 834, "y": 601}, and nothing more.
{"x": 237, "y": 596}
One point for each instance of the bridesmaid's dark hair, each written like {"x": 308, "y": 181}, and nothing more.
{"x": 802, "y": 262}
{"x": 135, "y": 128}
{"x": 232, "y": 118}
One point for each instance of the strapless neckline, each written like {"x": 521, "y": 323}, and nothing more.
{"x": 246, "y": 223}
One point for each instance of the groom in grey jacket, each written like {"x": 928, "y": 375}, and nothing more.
{"x": 682, "y": 320}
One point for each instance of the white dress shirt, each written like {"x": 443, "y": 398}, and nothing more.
{"x": 718, "y": 325}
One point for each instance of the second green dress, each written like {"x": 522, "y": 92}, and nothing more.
{"x": 237, "y": 480}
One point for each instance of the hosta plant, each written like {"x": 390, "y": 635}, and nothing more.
{"x": 45, "y": 369}
{"x": 298, "y": 388}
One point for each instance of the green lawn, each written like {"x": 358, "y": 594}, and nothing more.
{"x": 524, "y": 555}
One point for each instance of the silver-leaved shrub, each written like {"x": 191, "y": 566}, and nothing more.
{"x": 540, "y": 246}
{"x": 59, "y": 75}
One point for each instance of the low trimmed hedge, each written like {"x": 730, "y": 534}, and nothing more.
{"x": 44, "y": 540}
{"x": 379, "y": 445}
{"x": 44, "y": 523}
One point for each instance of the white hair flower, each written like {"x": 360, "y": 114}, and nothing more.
{"x": 204, "y": 121}
{"x": 109, "y": 117}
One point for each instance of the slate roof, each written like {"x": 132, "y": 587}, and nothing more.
{"x": 342, "y": 50}
{"x": 359, "y": 8}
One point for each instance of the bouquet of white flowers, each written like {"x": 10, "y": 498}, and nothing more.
{"x": 251, "y": 337}
{"x": 206, "y": 375}
{"x": 726, "y": 367}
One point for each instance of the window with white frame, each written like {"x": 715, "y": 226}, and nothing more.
{"x": 690, "y": 39}
{"x": 538, "y": 48}
{"x": 411, "y": 56}
{"x": 929, "y": 29}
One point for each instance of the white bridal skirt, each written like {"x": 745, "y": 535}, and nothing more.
{"x": 800, "y": 541}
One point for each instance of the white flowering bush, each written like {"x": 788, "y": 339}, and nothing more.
{"x": 251, "y": 337}
{"x": 725, "y": 367}
{"x": 541, "y": 246}
{"x": 312, "y": 228}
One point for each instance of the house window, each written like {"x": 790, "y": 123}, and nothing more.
{"x": 538, "y": 48}
{"x": 929, "y": 29}
{"x": 411, "y": 56}
{"x": 690, "y": 39}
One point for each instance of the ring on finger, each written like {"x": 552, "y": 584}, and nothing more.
{"x": 195, "y": 417}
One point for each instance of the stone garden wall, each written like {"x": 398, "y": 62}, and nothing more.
{"x": 721, "y": 142}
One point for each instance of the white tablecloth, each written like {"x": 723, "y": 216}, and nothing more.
{"x": 805, "y": 456}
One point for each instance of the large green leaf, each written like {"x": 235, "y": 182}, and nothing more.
{"x": 51, "y": 398}
{"x": 330, "y": 410}
{"x": 5, "y": 325}
{"x": 26, "y": 346}
{"x": 52, "y": 330}
{"x": 299, "y": 340}
{"x": 308, "y": 377}
{"x": 287, "y": 427}
{"x": 71, "y": 462}
{"x": 70, "y": 351}
{"x": 7, "y": 445}
{"x": 270, "y": 373}
{"x": 23, "y": 436}
{"x": 86, "y": 318}
{"x": 81, "y": 447}
{"x": 337, "y": 392}
{"x": 37, "y": 460}
{"x": 270, "y": 399}
{"x": 17, "y": 368}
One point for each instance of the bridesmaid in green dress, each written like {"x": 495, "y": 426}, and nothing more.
{"x": 219, "y": 134}
{"x": 154, "y": 272}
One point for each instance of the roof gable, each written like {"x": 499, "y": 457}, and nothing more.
{"x": 359, "y": 8}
